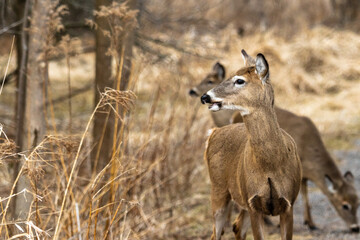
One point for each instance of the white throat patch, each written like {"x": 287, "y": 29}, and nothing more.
{"x": 243, "y": 111}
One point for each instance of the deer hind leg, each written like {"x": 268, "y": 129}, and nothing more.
{"x": 286, "y": 224}
{"x": 256, "y": 219}
{"x": 228, "y": 219}
{"x": 307, "y": 214}
{"x": 241, "y": 225}
{"x": 221, "y": 205}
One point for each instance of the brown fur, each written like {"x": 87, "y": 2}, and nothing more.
{"x": 241, "y": 158}
{"x": 211, "y": 80}
{"x": 316, "y": 161}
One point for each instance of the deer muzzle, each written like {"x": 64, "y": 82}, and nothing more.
{"x": 205, "y": 99}
{"x": 355, "y": 228}
{"x": 213, "y": 106}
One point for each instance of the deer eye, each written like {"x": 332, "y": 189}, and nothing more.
{"x": 240, "y": 82}
{"x": 346, "y": 206}
{"x": 210, "y": 82}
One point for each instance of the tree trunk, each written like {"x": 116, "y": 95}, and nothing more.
{"x": 22, "y": 11}
{"x": 32, "y": 100}
{"x": 345, "y": 10}
{"x": 103, "y": 124}
{"x": 103, "y": 132}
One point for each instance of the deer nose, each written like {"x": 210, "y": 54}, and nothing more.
{"x": 205, "y": 99}
{"x": 355, "y": 229}
{"x": 193, "y": 93}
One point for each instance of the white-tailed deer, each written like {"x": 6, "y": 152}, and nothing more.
{"x": 256, "y": 163}
{"x": 212, "y": 80}
{"x": 318, "y": 166}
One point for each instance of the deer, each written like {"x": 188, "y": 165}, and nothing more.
{"x": 254, "y": 163}
{"x": 317, "y": 164}
{"x": 211, "y": 80}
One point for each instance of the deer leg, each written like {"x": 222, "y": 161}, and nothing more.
{"x": 228, "y": 220}
{"x": 221, "y": 205}
{"x": 241, "y": 225}
{"x": 307, "y": 214}
{"x": 256, "y": 219}
{"x": 286, "y": 224}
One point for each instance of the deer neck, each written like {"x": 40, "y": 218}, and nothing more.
{"x": 264, "y": 134}
{"x": 330, "y": 169}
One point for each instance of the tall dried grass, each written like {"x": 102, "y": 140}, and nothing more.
{"x": 152, "y": 183}
{"x": 152, "y": 173}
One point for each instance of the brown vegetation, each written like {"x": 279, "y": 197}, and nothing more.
{"x": 155, "y": 185}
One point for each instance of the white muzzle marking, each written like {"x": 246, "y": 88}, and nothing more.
{"x": 213, "y": 97}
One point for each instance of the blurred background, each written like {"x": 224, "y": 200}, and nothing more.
{"x": 99, "y": 137}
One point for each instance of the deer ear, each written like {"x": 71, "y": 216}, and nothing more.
{"x": 220, "y": 70}
{"x": 330, "y": 184}
{"x": 349, "y": 176}
{"x": 248, "y": 61}
{"x": 262, "y": 68}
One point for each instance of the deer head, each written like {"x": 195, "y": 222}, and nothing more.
{"x": 246, "y": 91}
{"x": 211, "y": 80}
{"x": 343, "y": 197}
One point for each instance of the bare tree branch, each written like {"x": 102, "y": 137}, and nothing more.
{"x": 73, "y": 94}
{"x": 173, "y": 46}
{"x": 14, "y": 24}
